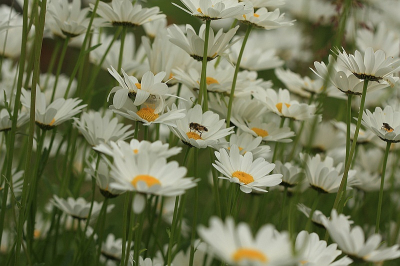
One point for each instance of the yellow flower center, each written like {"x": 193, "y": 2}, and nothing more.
{"x": 210, "y": 80}
{"x": 52, "y": 122}
{"x": 171, "y": 76}
{"x": 149, "y": 180}
{"x": 36, "y": 233}
{"x": 302, "y": 262}
{"x": 279, "y": 106}
{"x": 260, "y": 132}
{"x": 138, "y": 85}
{"x": 244, "y": 16}
{"x": 193, "y": 135}
{"x": 135, "y": 151}
{"x": 199, "y": 10}
{"x": 256, "y": 15}
{"x": 147, "y": 114}
{"x": 243, "y": 177}
{"x": 240, "y": 148}
{"x": 249, "y": 254}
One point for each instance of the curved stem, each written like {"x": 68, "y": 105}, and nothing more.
{"x": 378, "y": 216}
{"x": 228, "y": 116}
{"x": 276, "y": 144}
{"x": 203, "y": 78}
{"x": 121, "y": 49}
{"x": 342, "y": 189}
{"x": 196, "y": 206}
{"x": 348, "y": 121}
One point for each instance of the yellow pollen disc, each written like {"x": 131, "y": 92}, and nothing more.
{"x": 147, "y": 114}
{"x": 138, "y": 85}
{"x": 193, "y": 135}
{"x": 279, "y": 106}
{"x": 171, "y": 76}
{"x": 199, "y": 10}
{"x": 149, "y": 180}
{"x": 135, "y": 151}
{"x": 249, "y": 254}
{"x": 244, "y": 16}
{"x": 256, "y": 15}
{"x": 214, "y": 55}
{"x": 52, "y": 122}
{"x": 210, "y": 80}
{"x": 36, "y": 234}
{"x": 243, "y": 177}
{"x": 260, "y": 132}
{"x": 302, "y": 262}
{"x": 240, "y": 148}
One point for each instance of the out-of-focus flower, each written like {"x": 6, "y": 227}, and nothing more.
{"x": 124, "y": 13}
{"x": 236, "y": 244}
{"x": 193, "y": 44}
{"x": 214, "y": 9}
{"x": 352, "y": 241}
{"x": 262, "y": 18}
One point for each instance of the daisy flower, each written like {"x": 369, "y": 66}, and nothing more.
{"x": 124, "y": 13}
{"x": 325, "y": 137}
{"x": 68, "y": 19}
{"x": 237, "y": 246}
{"x": 372, "y": 66}
{"x": 131, "y": 55}
{"x": 111, "y": 249}
{"x": 101, "y": 173}
{"x": 305, "y": 86}
{"x": 151, "y": 86}
{"x": 268, "y": 131}
{"x": 344, "y": 80}
{"x": 264, "y": 3}
{"x": 193, "y": 44}
{"x": 323, "y": 176}
{"x": 364, "y": 136}
{"x": 313, "y": 251}
{"x": 11, "y": 36}
{"x": 380, "y": 39}
{"x": 198, "y": 129}
{"x": 156, "y": 148}
{"x": 57, "y": 112}
{"x": 248, "y": 143}
{"x": 98, "y": 128}
{"x": 149, "y": 114}
{"x": 255, "y": 57}
{"x": 317, "y": 217}
{"x": 352, "y": 241}
{"x": 6, "y": 122}
{"x": 384, "y": 123}
{"x": 155, "y": 27}
{"x": 291, "y": 174}
{"x": 147, "y": 174}
{"x": 241, "y": 169}
{"x": 164, "y": 56}
{"x": 214, "y": 9}
{"x": 262, "y": 18}
{"x": 281, "y": 104}
{"x": 78, "y": 208}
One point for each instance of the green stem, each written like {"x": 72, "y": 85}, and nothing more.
{"x": 313, "y": 208}
{"x": 138, "y": 238}
{"x": 228, "y": 116}
{"x": 173, "y": 228}
{"x": 39, "y": 29}
{"x": 342, "y": 188}
{"x": 378, "y": 216}
{"x": 283, "y": 207}
{"x": 126, "y": 222}
{"x": 196, "y": 206}
{"x": 60, "y": 63}
{"x": 121, "y": 49}
{"x": 215, "y": 186}
{"x": 276, "y": 144}
{"x": 203, "y": 78}
{"x": 349, "y": 97}
{"x": 82, "y": 53}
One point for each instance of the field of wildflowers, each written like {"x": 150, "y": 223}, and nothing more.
{"x": 200, "y": 132}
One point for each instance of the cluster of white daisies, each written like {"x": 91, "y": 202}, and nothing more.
{"x": 197, "y": 89}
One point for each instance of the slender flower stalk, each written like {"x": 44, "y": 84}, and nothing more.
{"x": 246, "y": 37}
{"x": 348, "y": 121}
{"x": 203, "y": 85}
{"x": 342, "y": 189}
{"x": 385, "y": 158}
{"x": 39, "y": 29}
{"x": 121, "y": 49}
{"x": 196, "y": 206}
{"x": 60, "y": 63}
